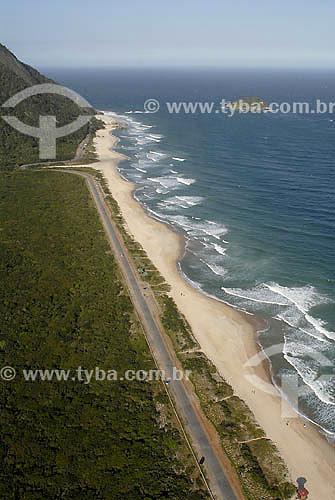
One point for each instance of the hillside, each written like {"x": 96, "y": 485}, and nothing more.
{"x": 16, "y": 148}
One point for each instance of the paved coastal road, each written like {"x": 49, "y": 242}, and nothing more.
{"x": 81, "y": 148}
{"x": 219, "y": 483}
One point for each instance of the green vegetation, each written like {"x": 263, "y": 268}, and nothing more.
{"x": 260, "y": 469}
{"x": 96, "y": 125}
{"x": 176, "y": 324}
{"x": 254, "y": 104}
{"x": 89, "y": 155}
{"x": 16, "y": 148}
{"x": 63, "y": 305}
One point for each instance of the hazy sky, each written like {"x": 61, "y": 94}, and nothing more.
{"x": 174, "y": 32}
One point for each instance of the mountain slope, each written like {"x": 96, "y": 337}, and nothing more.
{"x": 21, "y": 70}
{"x": 16, "y": 148}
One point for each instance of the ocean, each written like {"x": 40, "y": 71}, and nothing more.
{"x": 253, "y": 194}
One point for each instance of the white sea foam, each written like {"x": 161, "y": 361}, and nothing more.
{"x": 156, "y": 214}
{"x": 198, "y": 227}
{"x": 142, "y": 139}
{"x": 191, "y": 200}
{"x": 295, "y": 305}
{"x": 152, "y": 138}
{"x": 304, "y": 298}
{"x": 141, "y": 170}
{"x": 182, "y": 201}
{"x": 188, "y": 182}
{"x": 214, "y": 230}
{"x": 171, "y": 206}
{"x": 319, "y": 326}
{"x": 157, "y": 153}
{"x": 167, "y": 182}
{"x": 293, "y": 318}
{"x": 173, "y": 202}
{"x": 154, "y": 179}
{"x": 219, "y": 249}
{"x": 181, "y": 221}
{"x": 218, "y": 270}
{"x": 156, "y": 136}
{"x": 305, "y": 346}
{"x": 254, "y": 295}
{"x": 155, "y": 156}
{"x": 308, "y": 359}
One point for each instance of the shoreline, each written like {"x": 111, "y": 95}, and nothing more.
{"x": 226, "y": 335}
{"x": 258, "y": 323}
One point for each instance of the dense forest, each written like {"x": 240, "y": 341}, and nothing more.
{"x": 63, "y": 305}
{"x": 16, "y": 148}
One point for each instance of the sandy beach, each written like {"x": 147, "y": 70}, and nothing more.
{"x": 224, "y": 334}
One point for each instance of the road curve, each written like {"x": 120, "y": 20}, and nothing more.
{"x": 219, "y": 484}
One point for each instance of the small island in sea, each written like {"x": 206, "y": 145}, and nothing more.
{"x": 248, "y": 105}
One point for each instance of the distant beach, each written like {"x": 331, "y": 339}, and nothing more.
{"x": 226, "y": 336}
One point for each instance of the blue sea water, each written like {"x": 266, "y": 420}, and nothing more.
{"x": 253, "y": 196}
